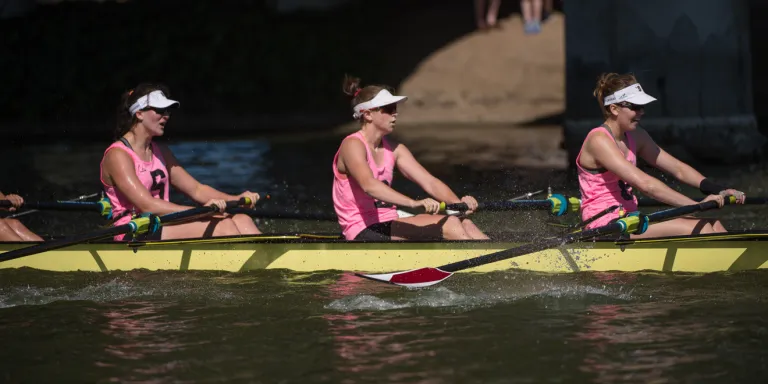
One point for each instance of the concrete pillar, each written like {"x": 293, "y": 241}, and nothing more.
{"x": 692, "y": 55}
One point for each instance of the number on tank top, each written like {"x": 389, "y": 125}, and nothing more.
{"x": 381, "y": 204}
{"x": 625, "y": 190}
{"x": 158, "y": 182}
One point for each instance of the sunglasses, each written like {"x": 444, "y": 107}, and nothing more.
{"x": 630, "y": 106}
{"x": 390, "y": 109}
{"x": 159, "y": 111}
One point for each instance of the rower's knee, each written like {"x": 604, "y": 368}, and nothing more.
{"x": 227, "y": 227}
{"x": 245, "y": 224}
{"x": 453, "y": 229}
{"x": 6, "y": 231}
{"x": 13, "y": 223}
{"x": 717, "y": 226}
{"x": 472, "y": 230}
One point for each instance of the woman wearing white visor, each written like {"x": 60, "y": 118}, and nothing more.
{"x": 607, "y": 164}
{"x": 136, "y": 177}
{"x": 363, "y": 196}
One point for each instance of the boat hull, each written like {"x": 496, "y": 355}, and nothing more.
{"x": 307, "y": 253}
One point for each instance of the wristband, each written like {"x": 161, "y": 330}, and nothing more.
{"x": 708, "y": 187}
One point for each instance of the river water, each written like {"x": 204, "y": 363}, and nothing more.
{"x": 331, "y": 327}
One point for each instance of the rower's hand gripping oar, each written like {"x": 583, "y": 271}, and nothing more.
{"x": 103, "y": 206}
{"x": 140, "y": 225}
{"x": 633, "y": 223}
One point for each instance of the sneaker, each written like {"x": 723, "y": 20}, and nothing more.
{"x": 532, "y": 27}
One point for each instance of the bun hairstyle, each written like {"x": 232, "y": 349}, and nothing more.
{"x": 126, "y": 121}
{"x": 608, "y": 84}
{"x": 351, "y": 87}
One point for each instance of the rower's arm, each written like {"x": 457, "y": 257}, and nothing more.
{"x": 414, "y": 171}
{"x": 188, "y": 185}
{"x": 605, "y": 152}
{"x": 659, "y": 158}
{"x": 119, "y": 170}
{"x": 355, "y": 164}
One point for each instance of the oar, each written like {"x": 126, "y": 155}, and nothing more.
{"x": 648, "y": 202}
{"x": 103, "y": 207}
{"x": 79, "y": 198}
{"x": 454, "y": 210}
{"x": 556, "y": 204}
{"x": 634, "y": 223}
{"x": 139, "y": 225}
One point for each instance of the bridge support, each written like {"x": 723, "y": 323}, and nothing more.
{"x": 694, "y": 58}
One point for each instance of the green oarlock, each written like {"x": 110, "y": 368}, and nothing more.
{"x": 574, "y": 204}
{"x": 629, "y": 224}
{"x": 142, "y": 224}
{"x": 105, "y": 207}
{"x": 559, "y": 204}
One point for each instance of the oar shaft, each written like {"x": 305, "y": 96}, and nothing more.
{"x": 648, "y": 202}
{"x": 673, "y": 213}
{"x": 31, "y": 211}
{"x": 628, "y": 224}
{"x": 556, "y": 204}
{"x": 530, "y": 248}
{"x": 58, "y": 205}
{"x": 61, "y": 243}
{"x": 132, "y": 226}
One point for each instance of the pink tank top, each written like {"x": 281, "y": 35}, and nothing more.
{"x": 355, "y": 209}
{"x": 601, "y": 189}
{"x": 152, "y": 174}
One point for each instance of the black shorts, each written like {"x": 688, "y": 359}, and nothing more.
{"x": 376, "y": 232}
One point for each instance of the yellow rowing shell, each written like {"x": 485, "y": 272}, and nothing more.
{"x": 707, "y": 253}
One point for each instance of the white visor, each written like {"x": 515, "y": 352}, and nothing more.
{"x": 382, "y": 98}
{"x": 633, "y": 94}
{"x": 154, "y": 99}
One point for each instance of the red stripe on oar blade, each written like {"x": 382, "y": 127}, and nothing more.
{"x": 415, "y": 278}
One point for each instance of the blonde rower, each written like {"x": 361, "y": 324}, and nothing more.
{"x": 607, "y": 164}
{"x": 363, "y": 196}
{"x": 136, "y": 172}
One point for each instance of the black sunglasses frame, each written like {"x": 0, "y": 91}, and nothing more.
{"x": 630, "y": 106}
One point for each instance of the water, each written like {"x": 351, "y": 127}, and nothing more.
{"x": 332, "y": 327}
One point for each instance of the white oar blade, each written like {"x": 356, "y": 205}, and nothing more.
{"x": 415, "y": 278}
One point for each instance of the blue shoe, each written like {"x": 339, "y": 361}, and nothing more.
{"x": 532, "y": 28}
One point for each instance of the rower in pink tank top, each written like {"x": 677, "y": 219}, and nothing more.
{"x": 601, "y": 189}
{"x": 153, "y": 175}
{"x": 355, "y": 209}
